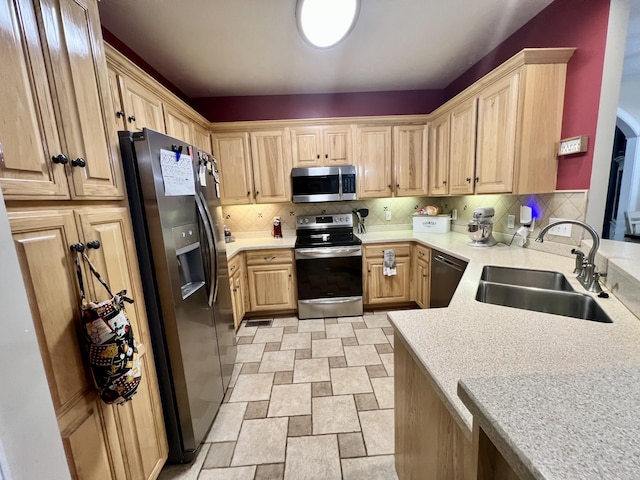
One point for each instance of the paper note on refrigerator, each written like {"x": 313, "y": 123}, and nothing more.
{"x": 177, "y": 174}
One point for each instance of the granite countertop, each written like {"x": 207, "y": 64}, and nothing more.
{"x": 497, "y": 351}
{"x": 577, "y": 425}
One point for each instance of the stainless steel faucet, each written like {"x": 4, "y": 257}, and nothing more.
{"x": 587, "y": 275}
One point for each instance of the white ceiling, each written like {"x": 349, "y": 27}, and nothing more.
{"x": 631, "y": 69}
{"x": 252, "y": 47}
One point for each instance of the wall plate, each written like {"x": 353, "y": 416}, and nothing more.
{"x": 569, "y": 146}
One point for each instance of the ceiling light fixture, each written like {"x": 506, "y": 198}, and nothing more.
{"x": 324, "y": 23}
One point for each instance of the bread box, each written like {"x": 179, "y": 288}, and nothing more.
{"x": 431, "y": 224}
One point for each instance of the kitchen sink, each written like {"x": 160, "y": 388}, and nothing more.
{"x": 569, "y": 304}
{"x": 526, "y": 278}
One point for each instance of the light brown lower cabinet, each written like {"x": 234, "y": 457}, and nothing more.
{"x": 100, "y": 441}
{"x": 379, "y": 288}
{"x": 429, "y": 443}
{"x": 422, "y": 275}
{"x": 271, "y": 279}
{"x": 238, "y": 285}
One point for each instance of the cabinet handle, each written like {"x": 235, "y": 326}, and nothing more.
{"x": 77, "y": 247}
{"x": 120, "y": 113}
{"x": 389, "y": 186}
{"x": 79, "y": 162}
{"x": 131, "y": 118}
{"x": 397, "y": 186}
{"x": 444, "y": 182}
{"x": 60, "y": 159}
{"x": 290, "y": 276}
{"x": 318, "y": 156}
{"x": 257, "y": 193}
{"x": 93, "y": 244}
{"x": 468, "y": 179}
{"x": 248, "y": 193}
{"x": 477, "y": 179}
{"x": 268, "y": 259}
{"x": 326, "y": 155}
{"x": 424, "y": 275}
{"x": 233, "y": 268}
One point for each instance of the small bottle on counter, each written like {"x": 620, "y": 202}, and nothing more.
{"x": 228, "y": 238}
{"x": 277, "y": 227}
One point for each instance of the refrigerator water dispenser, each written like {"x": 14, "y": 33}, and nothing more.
{"x": 189, "y": 257}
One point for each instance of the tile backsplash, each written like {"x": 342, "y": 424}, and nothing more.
{"x": 563, "y": 204}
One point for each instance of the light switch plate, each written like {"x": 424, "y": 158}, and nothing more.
{"x": 511, "y": 221}
{"x": 569, "y": 146}
{"x": 387, "y": 215}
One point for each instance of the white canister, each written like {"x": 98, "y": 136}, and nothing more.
{"x": 432, "y": 224}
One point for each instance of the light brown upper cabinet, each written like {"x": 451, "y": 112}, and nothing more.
{"x": 177, "y": 125}
{"x": 373, "y": 153}
{"x": 439, "y": 131}
{"x": 500, "y": 134}
{"x": 271, "y": 160}
{"x": 58, "y": 140}
{"x": 462, "y": 147}
{"x": 497, "y": 115}
{"x": 201, "y": 138}
{"x": 410, "y": 149}
{"x": 234, "y": 164}
{"x": 321, "y": 146}
{"x": 142, "y": 108}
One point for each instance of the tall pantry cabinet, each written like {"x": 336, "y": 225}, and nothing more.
{"x": 61, "y": 178}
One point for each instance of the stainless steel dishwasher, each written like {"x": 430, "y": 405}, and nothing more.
{"x": 446, "y": 272}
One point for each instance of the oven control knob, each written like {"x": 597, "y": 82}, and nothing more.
{"x": 306, "y": 220}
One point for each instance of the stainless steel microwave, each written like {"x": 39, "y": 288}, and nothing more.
{"x": 323, "y": 184}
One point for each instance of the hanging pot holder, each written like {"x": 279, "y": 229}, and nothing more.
{"x": 112, "y": 352}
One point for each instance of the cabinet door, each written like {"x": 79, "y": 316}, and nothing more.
{"x": 142, "y": 107}
{"x": 238, "y": 288}
{"x": 462, "y": 148}
{"x": 439, "y": 131}
{"x": 388, "y": 289}
{"x": 140, "y": 420}
{"x": 337, "y": 146}
{"x": 236, "y": 182}
{"x": 28, "y": 135}
{"x": 422, "y": 283}
{"x": 79, "y": 72}
{"x": 306, "y": 147}
{"x": 271, "y": 158}
{"x": 118, "y": 118}
{"x": 87, "y": 428}
{"x": 271, "y": 287}
{"x": 410, "y": 160}
{"x": 177, "y": 125}
{"x": 373, "y": 147}
{"x": 201, "y": 138}
{"x": 497, "y": 116}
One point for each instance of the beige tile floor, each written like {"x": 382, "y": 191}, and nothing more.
{"x": 309, "y": 399}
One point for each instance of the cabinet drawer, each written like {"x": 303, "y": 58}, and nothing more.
{"x": 235, "y": 264}
{"x": 373, "y": 252}
{"x": 268, "y": 257}
{"x": 423, "y": 253}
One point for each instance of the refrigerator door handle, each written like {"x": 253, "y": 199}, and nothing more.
{"x": 215, "y": 251}
{"x": 204, "y": 216}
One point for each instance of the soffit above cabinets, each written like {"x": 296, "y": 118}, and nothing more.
{"x": 252, "y": 47}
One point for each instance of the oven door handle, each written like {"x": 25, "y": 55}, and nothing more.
{"x": 329, "y": 252}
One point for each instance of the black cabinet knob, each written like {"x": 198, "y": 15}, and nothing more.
{"x": 77, "y": 247}
{"x": 468, "y": 179}
{"x": 131, "y": 118}
{"x": 120, "y": 113}
{"x": 93, "y": 244}
{"x": 248, "y": 193}
{"x": 61, "y": 159}
{"x": 79, "y": 162}
{"x": 326, "y": 155}
{"x": 318, "y": 155}
{"x": 389, "y": 186}
{"x": 477, "y": 179}
{"x": 257, "y": 193}
{"x": 397, "y": 185}
{"x": 444, "y": 182}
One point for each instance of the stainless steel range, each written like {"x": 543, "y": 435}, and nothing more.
{"x": 328, "y": 266}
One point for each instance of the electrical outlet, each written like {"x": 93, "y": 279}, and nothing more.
{"x": 511, "y": 221}
{"x": 563, "y": 230}
{"x": 387, "y": 215}
{"x": 454, "y": 214}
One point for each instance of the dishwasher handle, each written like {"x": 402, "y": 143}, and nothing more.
{"x": 446, "y": 261}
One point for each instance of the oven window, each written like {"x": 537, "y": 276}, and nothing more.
{"x": 322, "y": 185}
{"x": 329, "y": 277}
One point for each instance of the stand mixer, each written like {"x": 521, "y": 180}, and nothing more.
{"x": 481, "y": 227}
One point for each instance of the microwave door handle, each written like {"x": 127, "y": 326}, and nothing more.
{"x": 340, "y": 182}
{"x": 205, "y": 225}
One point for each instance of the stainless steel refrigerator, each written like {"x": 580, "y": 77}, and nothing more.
{"x": 178, "y": 226}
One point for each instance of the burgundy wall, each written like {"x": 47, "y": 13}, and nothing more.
{"x": 549, "y": 28}
{"x": 140, "y": 62}
{"x": 273, "y": 107}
